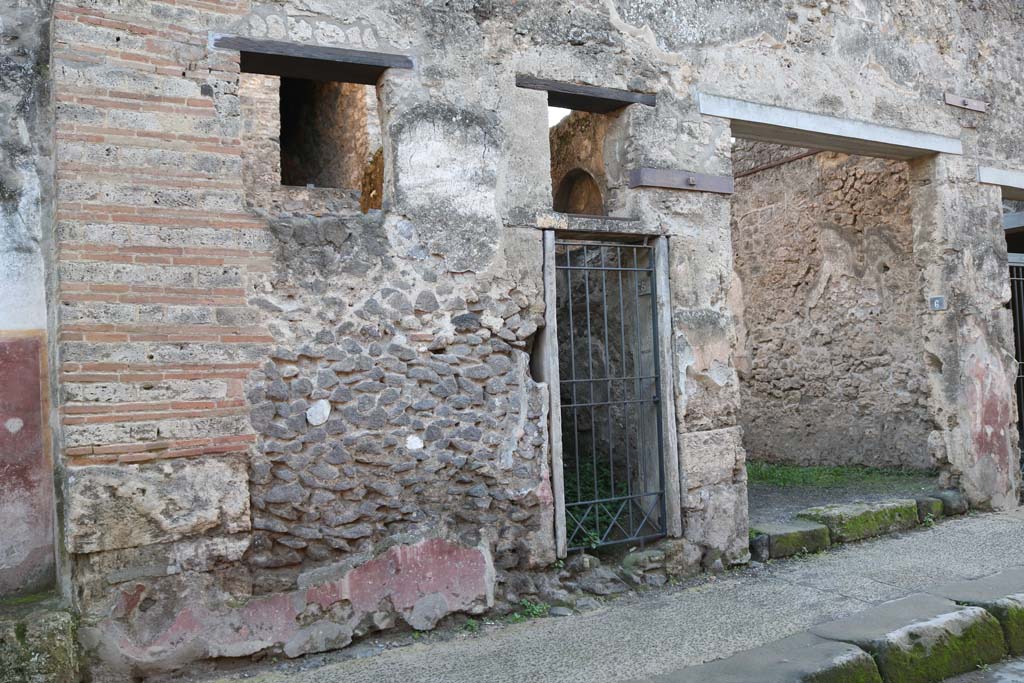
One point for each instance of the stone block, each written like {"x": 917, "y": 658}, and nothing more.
{"x": 800, "y": 658}
{"x": 38, "y": 644}
{"x": 711, "y": 457}
{"x": 760, "y": 548}
{"x": 1002, "y": 595}
{"x": 208, "y": 615}
{"x": 928, "y": 508}
{"x": 123, "y": 506}
{"x": 953, "y": 502}
{"x": 96, "y": 573}
{"x": 856, "y": 521}
{"x": 921, "y": 637}
{"x": 715, "y": 518}
{"x": 793, "y": 538}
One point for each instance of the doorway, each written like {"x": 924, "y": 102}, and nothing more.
{"x": 609, "y": 389}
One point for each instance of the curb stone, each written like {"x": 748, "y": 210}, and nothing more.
{"x": 1002, "y": 595}
{"x": 929, "y": 507}
{"x": 786, "y": 539}
{"x": 922, "y": 638}
{"x": 856, "y": 521}
{"x": 804, "y": 657}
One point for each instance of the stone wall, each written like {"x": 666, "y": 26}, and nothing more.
{"x": 287, "y": 424}
{"x": 27, "y": 558}
{"x": 831, "y": 360}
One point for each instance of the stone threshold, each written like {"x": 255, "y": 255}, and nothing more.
{"x": 922, "y": 638}
{"x": 817, "y": 529}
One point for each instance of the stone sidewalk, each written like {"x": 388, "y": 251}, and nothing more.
{"x": 667, "y": 629}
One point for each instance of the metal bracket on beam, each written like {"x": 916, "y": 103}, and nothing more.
{"x": 966, "y": 103}
{"x": 680, "y": 180}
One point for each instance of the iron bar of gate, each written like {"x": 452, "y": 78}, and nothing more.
{"x": 622, "y": 329}
{"x": 615, "y": 498}
{"x": 1017, "y": 310}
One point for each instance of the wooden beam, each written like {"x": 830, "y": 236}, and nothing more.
{"x": 666, "y": 391}
{"x": 550, "y": 376}
{"x": 584, "y": 97}
{"x": 312, "y": 62}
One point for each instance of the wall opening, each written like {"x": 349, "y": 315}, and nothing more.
{"x": 330, "y": 137}
{"x": 608, "y": 368}
{"x": 579, "y": 193}
{"x": 1015, "y": 248}
{"x": 832, "y": 358}
{"x": 579, "y": 180}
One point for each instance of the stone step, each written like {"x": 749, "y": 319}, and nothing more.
{"x": 786, "y": 539}
{"x": 921, "y": 638}
{"x": 1002, "y": 595}
{"x": 953, "y": 502}
{"x": 856, "y": 521}
{"x": 929, "y": 508}
{"x": 800, "y": 658}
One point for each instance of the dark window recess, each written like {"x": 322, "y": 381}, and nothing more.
{"x": 577, "y": 141}
{"x": 579, "y": 193}
{"x": 324, "y": 136}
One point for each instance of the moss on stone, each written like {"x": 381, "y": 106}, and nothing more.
{"x": 853, "y": 670}
{"x": 928, "y": 509}
{"x": 22, "y": 600}
{"x": 39, "y": 647}
{"x": 980, "y": 642}
{"x": 858, "y": 521}
{"x": 1010, "y": 615}
{"x": 800, "y": 541}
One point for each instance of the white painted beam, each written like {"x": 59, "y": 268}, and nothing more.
{"x": 796, "y": 128}
{"x": 1012, "y": 182}
{"x": 1013, "y": 221}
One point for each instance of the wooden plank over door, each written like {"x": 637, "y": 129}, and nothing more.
{"x": 666, "y": 362}
{"x": 590, "y": 98}
{"x": 550, "y": 375}
{"x": 311, "y": 62}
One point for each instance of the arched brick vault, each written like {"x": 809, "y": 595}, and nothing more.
{"x": 198, "y": 313}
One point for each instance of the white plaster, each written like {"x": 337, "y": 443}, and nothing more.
{"x": 414, "y": 443}
{"x": 805, "y": 129}
{"x": 318, "y": 413}
{"x": 14, "y": 425}
{"x": 23, "y": 294}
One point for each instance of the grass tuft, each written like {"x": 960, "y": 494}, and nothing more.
{"x": 828, "y": 477}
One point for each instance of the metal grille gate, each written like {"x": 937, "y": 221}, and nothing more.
{"x": 1017, "y": 307}
{"x": 614, "y": 480}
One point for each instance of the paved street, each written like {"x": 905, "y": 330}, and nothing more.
{"x": 667, "y": 629}
{"x": 1010, "y": 672}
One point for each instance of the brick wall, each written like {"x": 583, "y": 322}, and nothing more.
{"x": 208, "y": 315}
